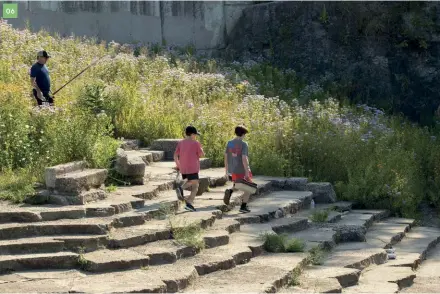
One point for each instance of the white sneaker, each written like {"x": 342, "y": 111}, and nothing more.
{"x": 392, "y": 256}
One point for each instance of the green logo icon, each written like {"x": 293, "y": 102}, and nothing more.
{"x": 10, "y": 10}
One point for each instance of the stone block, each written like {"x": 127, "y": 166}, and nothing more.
{"x": 322, "y": 192}
{"x": 130, "y": 144}
{"x": 166, "y": 145}
{"x": 296, "y": 184}
{"x": 129, "y": 164}
{"x": 51, "y": 173}
{"x": 75, "y": 183}
{"x": 205, "y": 163}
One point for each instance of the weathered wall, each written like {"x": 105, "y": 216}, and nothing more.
{"x": 382, "y": 53}
{"x": 202, "y": 24}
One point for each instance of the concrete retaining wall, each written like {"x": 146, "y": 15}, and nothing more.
{"x": 204, "y": 24}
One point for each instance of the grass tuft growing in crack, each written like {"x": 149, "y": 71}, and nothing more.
{"x": 82, "y": 261}
{"x": 317, "y": 256}
{"x": 295, "y": 277}
{"x": 188, "y": 234}
{"x": 282, "y": 243}
{"x": 319, "y": 216}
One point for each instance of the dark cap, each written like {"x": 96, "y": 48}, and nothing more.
{"x": 43, "y": 54}
{"x": 190, "y": 130}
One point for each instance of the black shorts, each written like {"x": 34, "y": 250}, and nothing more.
{"x": 190, "y": 177}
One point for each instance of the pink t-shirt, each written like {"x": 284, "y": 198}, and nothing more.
{"x": 189, "y": 152}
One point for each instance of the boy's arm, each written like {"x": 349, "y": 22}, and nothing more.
{"x": 245, "y": 159}
{"x": 201, "y": 152}
{"x": 246, "y": 166}
{"x": 176, "y": 156}
{"x": 226, "y": 160}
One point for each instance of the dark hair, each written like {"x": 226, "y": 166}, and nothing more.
{"x": 241, "y": 131}
{"x": 190, "y": 130}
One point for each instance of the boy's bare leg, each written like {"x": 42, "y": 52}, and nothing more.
{"x": 245, "y": 197}
{"x": 194, "y": 189}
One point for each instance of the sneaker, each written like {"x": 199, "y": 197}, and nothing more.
{"x": 179, "y": 192}
{"x": 227, "y": 197}
{"x": 244, "y": 209}
{"x": 189, "y": 207}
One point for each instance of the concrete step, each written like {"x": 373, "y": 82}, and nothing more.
{"x": 315, "y": 236}
{"x": 266, "y": 273}
{"x": 372, "y": 288}
{"x": 137, "y": 235}
{"x": 58, "y": 260}
{"x": 387, "y": 233}
{"x": 48, "y": 244}
{"x": 402, "y": 276}
{"x": 96, "y": 226}
{"x": 412, "y": 250}
{"x": 427, "y": 276}
{"x": 155, "y": 253}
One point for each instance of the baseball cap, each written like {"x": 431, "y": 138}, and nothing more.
{"x": 43, "y": 53}
{"x": 191, "y": 130}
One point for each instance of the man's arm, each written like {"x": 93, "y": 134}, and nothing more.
{"x": 34, "y": 84}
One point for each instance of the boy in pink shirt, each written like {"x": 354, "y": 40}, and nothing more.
{"x": 187, "y": 157}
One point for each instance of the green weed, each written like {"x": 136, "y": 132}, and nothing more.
{"x": 188, "y": 234}
{"x": 319, "y": 216}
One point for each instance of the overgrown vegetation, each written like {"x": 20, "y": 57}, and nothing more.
{"x": 296, "y": 129}
{"x": 282, "y": 243}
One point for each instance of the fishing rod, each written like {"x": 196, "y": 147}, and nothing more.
{"x": 93, "y": 63}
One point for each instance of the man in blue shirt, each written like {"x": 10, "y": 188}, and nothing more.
{"x": 40, "y": 79}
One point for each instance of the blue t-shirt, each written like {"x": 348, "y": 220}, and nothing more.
{"x": 41, "y": 73}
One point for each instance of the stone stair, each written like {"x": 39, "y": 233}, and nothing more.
{"x": 123, "y": 244}
{"x": 362, "y": 266}
{"x": 127, "y": 242}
